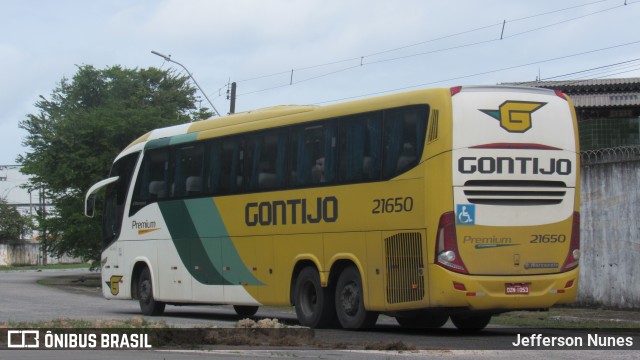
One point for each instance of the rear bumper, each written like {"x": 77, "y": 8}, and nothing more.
{"x": 488, "y": 292}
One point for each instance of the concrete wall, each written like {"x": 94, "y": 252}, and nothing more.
{"x": 28, "y": 254}
{"x": 610, "y": 246}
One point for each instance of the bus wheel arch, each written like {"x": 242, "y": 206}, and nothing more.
{"x": 300, "y": 264}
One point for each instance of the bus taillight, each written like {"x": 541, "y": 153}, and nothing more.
{"x": 447, "y": 254}
{"x": 573, "y": 256}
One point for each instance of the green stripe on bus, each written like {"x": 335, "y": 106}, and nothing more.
{"x": 197, "y": 228}
{"x": 173, "y": 140}
{"x": 157, "y": 143}
{"x": 184, "y": 138}
{"x": 187, "y": 242}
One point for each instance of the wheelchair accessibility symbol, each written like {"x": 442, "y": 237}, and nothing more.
{"x": 465, "y": 214}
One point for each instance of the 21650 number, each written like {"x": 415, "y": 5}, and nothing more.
{"x": 392, "y": 205}
{"x": 547, "y": 238}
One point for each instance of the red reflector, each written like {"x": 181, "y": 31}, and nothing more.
{"x": 524, "y": 146}
{"x": 568, "y": 284}
{"x": 471, "y": 293}
{"x": 455, "y": 90}
{"x": 459, "y": 286}
{"x": 560, "y": 94}
{"x": 574, "y": 246}
{"x": 560, "y": 291}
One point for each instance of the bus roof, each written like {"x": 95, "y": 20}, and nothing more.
{"x": 284, "y": 115}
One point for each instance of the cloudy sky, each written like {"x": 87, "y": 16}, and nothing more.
{"x": 337, "y": 49}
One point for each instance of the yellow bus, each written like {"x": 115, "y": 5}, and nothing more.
{"x": 428, "y": 205}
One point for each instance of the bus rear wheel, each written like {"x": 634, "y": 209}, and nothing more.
{"x": 314, "y": 304}
{"x": 470, "y": 322}
{"x": 245, "y": 311}
{"x": 350, "y": 301}
{"x": 422, "y": 321}
{"x": 148, "y": 304}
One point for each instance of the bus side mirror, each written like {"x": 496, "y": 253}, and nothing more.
{"x": 89, "y": 205}
{"x": 90, "y": 198}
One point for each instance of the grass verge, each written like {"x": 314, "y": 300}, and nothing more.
{"x": 45, "y": 267}
{"x": 564, "y": 317}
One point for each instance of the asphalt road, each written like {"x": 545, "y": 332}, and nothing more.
{"x": 23, "y": 300}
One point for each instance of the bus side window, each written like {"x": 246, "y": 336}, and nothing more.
{"x": 187, "y": 170}
{"x": 152, "y": 182}
{"x": 226, "y": 158}
{"x": 404, "y": 134}
{"x": 360, "y": 148}
{"x": 314, "y": 155}
{"x": 266, "y": 154}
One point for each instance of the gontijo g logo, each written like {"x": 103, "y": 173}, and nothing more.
{"x": 515, "y": 116}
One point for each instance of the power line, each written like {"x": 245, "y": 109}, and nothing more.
{"x": 421, "y": 42}
{"x": 431, "y": 51}
{"x": 481, "y": 73}
{"x": 589, "y": 70}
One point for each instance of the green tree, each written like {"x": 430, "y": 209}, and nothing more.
{"x": 77, "y": 132}
{"x": 13, "y": 225}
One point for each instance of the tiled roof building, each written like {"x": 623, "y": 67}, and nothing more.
{"x": 608, "y": 110}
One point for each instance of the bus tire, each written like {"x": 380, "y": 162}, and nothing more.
{"x": 245, "y": 311}
{"x": 422, "y": 321}
{"x": 314, "y": 304}
{"x": 148, "y": 304}
{"x": 349, "y": 301}
{"x": 470, "y": 322}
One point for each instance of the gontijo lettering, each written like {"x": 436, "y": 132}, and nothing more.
{"x": 293, "y": 211}
{"x": 510, "y": 165}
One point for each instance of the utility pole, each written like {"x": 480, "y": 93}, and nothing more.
{"x": 168, "y": 58}
{"x": 43, "y": 229}
{"x": 232, "y": 108}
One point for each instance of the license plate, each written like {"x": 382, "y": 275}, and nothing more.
{"x": 516, "y": 289}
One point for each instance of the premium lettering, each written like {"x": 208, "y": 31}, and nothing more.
{"x": 143, "y": 224}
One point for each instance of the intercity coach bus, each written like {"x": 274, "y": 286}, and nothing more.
{"x": 428, "y": 205}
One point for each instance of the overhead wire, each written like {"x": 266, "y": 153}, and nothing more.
{"x": 361, "y": 64}
{"x": 594, "y": 70}
{"x": 480, "y": 73}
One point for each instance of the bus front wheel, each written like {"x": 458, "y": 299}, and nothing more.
{"x": 422, "y": 321}
{"x": 470, "y": 322}
{"x": 350, "y": 301}
{"x": 245, "y": 311}
{"x": 148, "y": 304}
{"x": 314, "y": 304}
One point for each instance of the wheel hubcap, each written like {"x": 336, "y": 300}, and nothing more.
{"x": 145, "y": 291}
{"x": 309, "y": 298}
{"x": 350, "y": 299}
